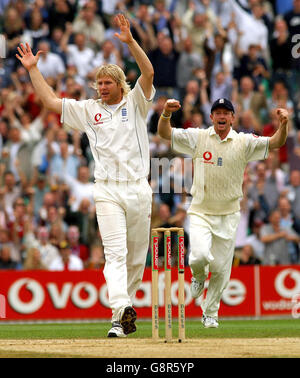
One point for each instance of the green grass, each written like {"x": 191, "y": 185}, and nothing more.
{"x": 194, "y": 329}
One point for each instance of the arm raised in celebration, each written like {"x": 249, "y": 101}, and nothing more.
{"x": 279, "y": 138}
{"x": 164, "y": 127}
{"x": 145, "y": 66}
{"x": 42, "y": 89}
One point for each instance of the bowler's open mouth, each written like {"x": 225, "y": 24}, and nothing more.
{"x": 222, "y": 122}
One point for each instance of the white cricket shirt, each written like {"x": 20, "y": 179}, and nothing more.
{"x": 118, "y": 139}
{"x": 219, "y": 166}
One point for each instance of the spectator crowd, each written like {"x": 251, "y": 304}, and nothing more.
{"x": 201, "y": 50}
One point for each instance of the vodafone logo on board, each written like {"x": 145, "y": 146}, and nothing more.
{"x": 27, "y": 295}
{"x": 252, "y": 290}
{"x": 287, "y": 283}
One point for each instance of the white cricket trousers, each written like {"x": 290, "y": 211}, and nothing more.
{"x": 212, "y": 243}
{"x": 124, "y": 213}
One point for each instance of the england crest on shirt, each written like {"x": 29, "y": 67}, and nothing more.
{"x": 124, "y": 114}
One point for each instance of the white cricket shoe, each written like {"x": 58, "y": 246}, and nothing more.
{"x": 116, "y": 330}
{"x": 209, "y": 322}
{"x": 197, "y": 287}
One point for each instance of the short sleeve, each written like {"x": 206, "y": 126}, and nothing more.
{"x": 185, "y": 141}
{"x": 144, "y": 104}
{"x": 257, "y": 147}
{"x": 74, "y": 114}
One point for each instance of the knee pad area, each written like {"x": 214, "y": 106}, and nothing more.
{"x": 116, "y": 256}
{"x": 200, "y": 258}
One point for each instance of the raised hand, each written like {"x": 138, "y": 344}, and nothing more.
{"x": 26, "y": 56}
{"x": 172, "y": 105}
{"x": 283, "y": 116}
{"x": 279, "y": 138}
{"x": 124, "y": 25}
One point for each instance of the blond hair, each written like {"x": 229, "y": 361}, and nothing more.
{"x": 114, "y": 72}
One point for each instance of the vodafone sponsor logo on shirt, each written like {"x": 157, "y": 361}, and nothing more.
{"x": 207, "y": 155}
{"x": 97, "y": 119}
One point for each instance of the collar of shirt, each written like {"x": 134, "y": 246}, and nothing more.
{"x": 123, "y": 101}
{"x": 230, "y": 135}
